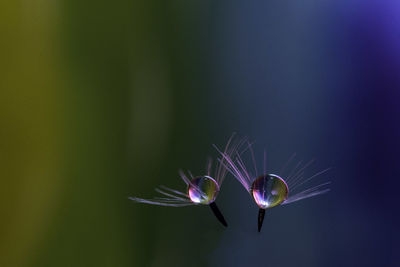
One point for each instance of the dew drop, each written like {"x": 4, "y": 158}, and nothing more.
{"x": 269, "y": 191}
{"x": 203, "y": 190}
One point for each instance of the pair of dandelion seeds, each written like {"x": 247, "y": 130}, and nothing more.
{"x": 267, "y": 190}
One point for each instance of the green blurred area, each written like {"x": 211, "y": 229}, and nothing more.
{"x": 95, "y": 107}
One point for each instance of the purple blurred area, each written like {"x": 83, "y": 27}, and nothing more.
{"x": 320, "y": 78}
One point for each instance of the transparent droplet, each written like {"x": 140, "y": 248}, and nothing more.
{"x": 203, "y": 190}
{"x": 269, "y": 191}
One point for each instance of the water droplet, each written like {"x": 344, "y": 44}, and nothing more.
{"x": 269, "y": 191}
{"x": 203, "y": 190}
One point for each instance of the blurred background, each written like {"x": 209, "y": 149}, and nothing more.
{"x": 104, "y": 100}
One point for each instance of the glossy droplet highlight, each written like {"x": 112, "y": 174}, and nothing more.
{"x": 269, "y": 191}
{"x": 203, "y": 190}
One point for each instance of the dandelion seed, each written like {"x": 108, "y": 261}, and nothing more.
{"x": 270, "y": 190}
{"x": 201, "y": 190}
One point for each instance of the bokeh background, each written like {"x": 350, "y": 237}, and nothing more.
{"x": 103, "y": 100}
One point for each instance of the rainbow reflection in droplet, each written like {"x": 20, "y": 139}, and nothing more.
{"x": 269, "y": 191}
{"x": 203, "y": 190}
